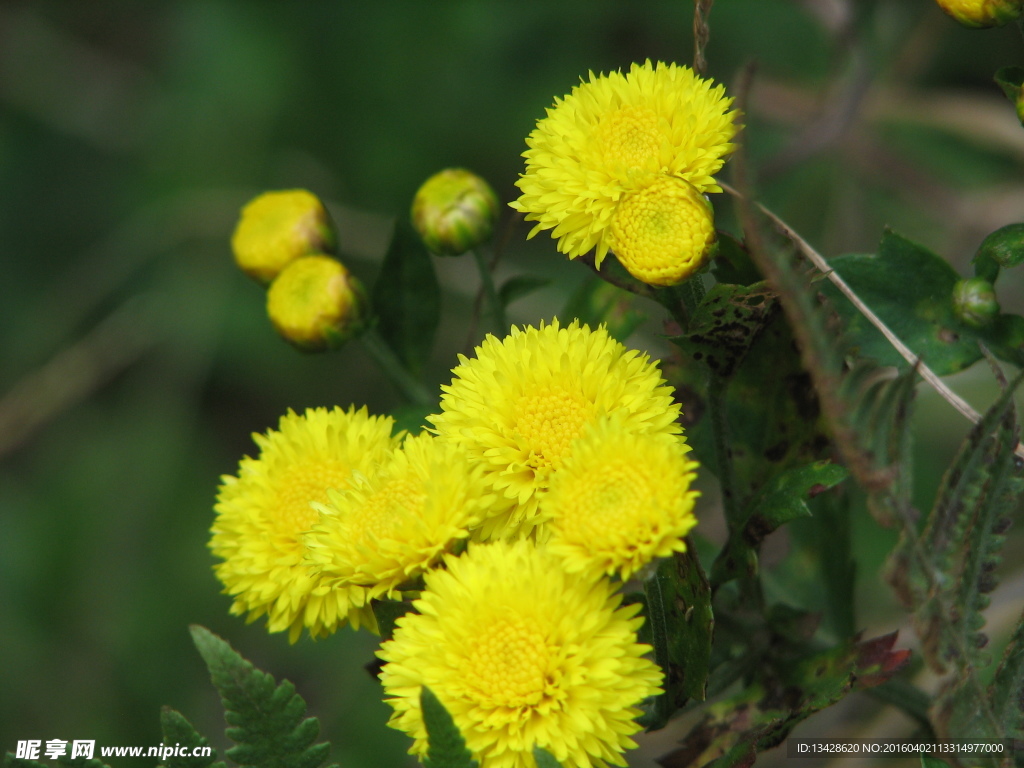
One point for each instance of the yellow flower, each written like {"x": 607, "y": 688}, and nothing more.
{"x": 522, "y": 654}
{"x": 392, "y": 526}
{"x": 278, "y": 227}
{"x": 617, "y": 154}
{"x": 317, "y": 304}
{"x": 620, "y": 500}
{"x": 519, "y": 405}
{"x": 979, "y": 14}
{"x": 262, "y": 514}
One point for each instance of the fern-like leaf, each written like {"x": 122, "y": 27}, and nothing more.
{"x": 179, "y": 732}
{"x": 1007, "y": 689}
{"x": 268, "y": 723}
{"x": 446, "y": 748}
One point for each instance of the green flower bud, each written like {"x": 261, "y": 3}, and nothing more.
{"x": 317, "y": 304}
{"x": 454, "y": 211}
{"x": 278, "y": 227}
{"x": 974, "y": 302}
{"x": 978, "y": 14}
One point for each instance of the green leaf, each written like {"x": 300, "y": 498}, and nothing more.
{"x": 268, "y": 721}
{"x": 681, "y": 623}
{"x": 1011, "y": 80}
{"x": 176, "y": 730}
{"x": 446, "y": 747}
{"x": 760, "y": 717}
{"x": 918, "y": 310}
{"x": 411, "y": 418}
{"x": 1007, "y": 688}
{"x": 387, "y": 612}
{"x": 10, "y": 761}
{"x": 933, "y": 762}
{"x": 726, "y": 324}
{"x": 545, "y": 759}
{"x": 596, "y": 302}
{"x": 781, "y": 500}
{"x": 517, "y": 287}
{"x": 407, "y": 298}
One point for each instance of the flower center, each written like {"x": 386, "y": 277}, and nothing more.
{"x": 508, "y": 664}
{"x": 382, "y": 515}
{"x": 630, "y": 137}
{"x": 301, "y": 484}
{"x": 663, "y": 233}
{"x": 604, "y": 502}
{"x": 548, "y": 421}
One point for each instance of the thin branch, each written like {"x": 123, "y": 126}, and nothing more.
{"x": 701, "y": 34}
{"x": 908, "y": 354}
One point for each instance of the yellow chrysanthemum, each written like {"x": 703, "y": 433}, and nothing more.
{"x": 979, "y": 14}
{"x": 389, "y": 528}
{"x": 620, "y": 500}
{"x": 521, "y": 403}
{"x": 262, "y": 514}
{"x": 523, "y": 655}
{"x": 658, "y": 133}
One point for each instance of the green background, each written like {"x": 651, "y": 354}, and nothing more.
{"x": 135, "y": 361}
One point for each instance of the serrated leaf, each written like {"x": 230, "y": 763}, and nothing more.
{"x": 781, "y": 500}
{"x": 734, "y": 730}
{"x": 1007, "y": 688}
{"x": 407, "y": 298}
{"x": 726, "y": 324}
{"x": 596, "y": 302}
{"x": 680, "y": 624}
{"x": 545, "y": 759}
{"x": 177, "y": 731}
{"x": 520, "y": 286}
{"x": 268, "y": 721}
{"x": 446, "y": 748}
{"x": 918, "y": 311}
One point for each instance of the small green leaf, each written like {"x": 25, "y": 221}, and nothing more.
{"x": 545, "y": 759}
{"x": 268, "y": 721}
{"x": 177, "y": 731}
{"x": 407, "y": 298}
{"x": 918, "y": 311}
{"x": 1002, "y": 249}
{"x": 782, "y": 499}
{"x": 596, "y": 302}
{"x": 446, "y": 747}
{"x": 387, "y": 612}
{"x": 678, "y": 603}
{"x": 411, "y": 418}
{"x": 726, "y": 324}
{"x": 517, "y": 287}
{"x": 1011, "y": 80}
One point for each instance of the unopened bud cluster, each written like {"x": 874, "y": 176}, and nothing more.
{"x": 285, "y": 240}
{"x": 454, "y": 212}
{"x": 975, "y": 303}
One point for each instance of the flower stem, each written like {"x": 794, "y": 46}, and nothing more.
{"x": 386, "y": 359}
{"x": 495, "y": 311}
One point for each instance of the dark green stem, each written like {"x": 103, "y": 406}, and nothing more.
{"x": 495, "y": 310}
{"x": 385, "y": 357}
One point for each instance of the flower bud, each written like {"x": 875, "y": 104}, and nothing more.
{"x": 974, "y": 302}
{"x": 278, "y": 227}
{"x": 978, "y": 14}
{"x": 317, "y": 304}
{"x": 454, "y": 211}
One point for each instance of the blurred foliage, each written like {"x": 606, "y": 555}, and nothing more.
{"x": 136, "y": 360}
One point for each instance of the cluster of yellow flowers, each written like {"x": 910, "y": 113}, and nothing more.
{"x": 623, "y": 163}
{"x": 556, "y": 464}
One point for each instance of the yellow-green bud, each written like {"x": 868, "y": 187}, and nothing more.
{"x": 454, "y": 211}
{"x": 317, "y": 304}
{"x": 278, "y": 227}
{"x": 975, "y": 303}
{"x": 979, "y": 14}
